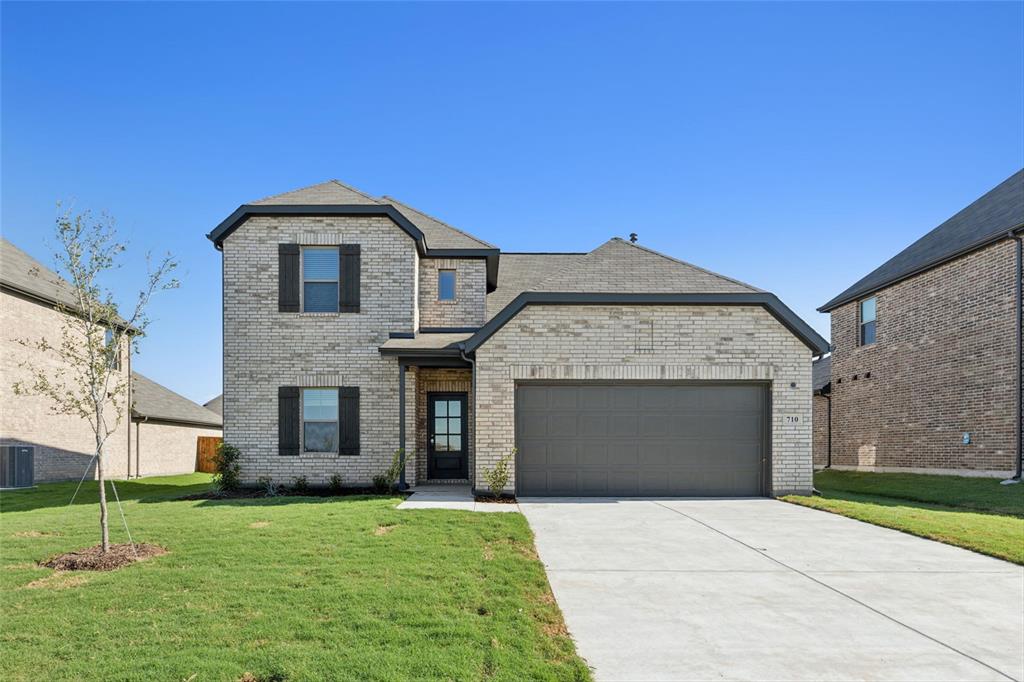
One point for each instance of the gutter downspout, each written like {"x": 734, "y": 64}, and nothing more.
{"x": 1015, "y": 235}
{"x": 828, "y": 397}
{"x": 472, "y": 366}
{"x": 129, "y": 411}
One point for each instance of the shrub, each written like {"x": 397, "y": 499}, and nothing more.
{"x": 270, "y": 488}
{"x": 227, "y": 477}
{"x": 335, "y": 484}
{"x": 497, "y": 476}
{"x": 385, "y": 482}
{"x": 300, "y": 485}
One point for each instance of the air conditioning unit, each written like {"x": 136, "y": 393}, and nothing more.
{"x": 17, "y": 466}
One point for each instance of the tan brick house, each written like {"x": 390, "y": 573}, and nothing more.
{"x": 355, "y": 326}
{"x": 158, "y": 438}
{"x": 925, "y": 366}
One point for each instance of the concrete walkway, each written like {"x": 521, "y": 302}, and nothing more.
{"x": 764, "y": 590}
{"x": 451, "y": 497}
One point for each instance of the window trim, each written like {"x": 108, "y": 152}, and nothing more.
{"x": 302, "y": 279}
{"x": 303, "y": 421}
{"x": 113, "y": 359}
{"x": 455, "y": 284}
{"x": 861, "y": 323}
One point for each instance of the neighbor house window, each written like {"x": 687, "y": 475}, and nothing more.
{"x": 320, "y": 279}
{"x": 446, "y": 285}
{"x": 320, "y": 420}
{"x": 114, "y": 358}
{"x": 867, "y": 321}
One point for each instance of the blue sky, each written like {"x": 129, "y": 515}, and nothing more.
{"x": 792, "y": 146}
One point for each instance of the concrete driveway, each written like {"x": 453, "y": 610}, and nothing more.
{"x": 764, "y": 590}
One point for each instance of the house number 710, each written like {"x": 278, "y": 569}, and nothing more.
{"x": 791, "y": 419}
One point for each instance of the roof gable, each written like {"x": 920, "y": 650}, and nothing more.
{"x": 988, "y": 219}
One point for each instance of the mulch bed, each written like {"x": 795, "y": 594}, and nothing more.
{"x": 94, "y": 559}
{"x": 259, "y": 493}
{"x": 504, "y": 499}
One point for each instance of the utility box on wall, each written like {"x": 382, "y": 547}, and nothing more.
{"x": 17, "y": 466}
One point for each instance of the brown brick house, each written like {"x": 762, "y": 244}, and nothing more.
{"x": 355, "y": 326}
{"x": 925, "y": 365}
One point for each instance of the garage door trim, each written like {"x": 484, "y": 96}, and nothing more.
{"x": 766, "y": 386}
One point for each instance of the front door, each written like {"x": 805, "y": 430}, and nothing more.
{"x": 446, "y": 436}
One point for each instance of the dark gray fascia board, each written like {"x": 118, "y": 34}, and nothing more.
{"x": 245, "y": 211}
{"x": 448, "y": 330}
{"x": 401, "y": 335}
{"x": 420, "y": 352}
{"x": 844, "y": 298}
{"x": 144, "y": 419}
{"x": 769, "y": 302}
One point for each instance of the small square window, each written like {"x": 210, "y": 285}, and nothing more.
{"x": 446, "y": 285}
{"x": 868, "y": 311}
{"x": 113, "y": 357}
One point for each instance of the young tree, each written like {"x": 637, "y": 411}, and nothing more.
{"x": 88, "y": 381}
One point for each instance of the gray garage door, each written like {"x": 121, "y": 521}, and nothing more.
{"x": 646, "y": 440}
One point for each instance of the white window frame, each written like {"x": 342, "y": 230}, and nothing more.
{"x": 303, "y": 280}
{"x": 336, "y": 421}
{"x": 861, "y": 322}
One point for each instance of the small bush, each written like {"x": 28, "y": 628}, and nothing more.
{"x": 335, "y": 484}
{"x": 227, "y": 477}
{"x": 269, "y": 487}
{"x": 300, "y": 485}
{"x": 497, "y": 476}
{"x": 385, "y": 482}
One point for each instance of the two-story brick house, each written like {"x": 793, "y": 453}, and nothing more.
{"x": 355, "y": 326}
{"x": 926, "y": 360}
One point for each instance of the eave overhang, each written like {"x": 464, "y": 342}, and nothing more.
{"x": 769, "y": 302}
{"x": 246, "y": 211}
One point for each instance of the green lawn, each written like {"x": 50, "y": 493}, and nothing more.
{"x": 292, "y": 588}
{"x": 974, "y": 513}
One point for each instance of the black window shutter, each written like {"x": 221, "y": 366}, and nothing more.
{"x": 349, "y": 302}
{"x": 288, "y": 423}
{"x": 348, "y": 416}
{"x": 288, "y": 277}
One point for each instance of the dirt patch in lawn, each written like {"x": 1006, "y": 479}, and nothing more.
{"x": 259, "y": 524}
{"x": 33, "y": 534}
{"x": 57, "y": 581}
{"x": 94, "y": 559}
{"x": 384, "y": 530}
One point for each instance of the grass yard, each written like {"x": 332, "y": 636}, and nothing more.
{"x": 973, "y": 513}
{"x": 290, "y": 588}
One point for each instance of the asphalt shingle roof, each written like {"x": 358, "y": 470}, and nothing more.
{"x": 438, "y": 235}
{"x": 215, "y": 404}
{"x": 150, "y": 399}
{"x": 22, "y": 272}
{"x": 986, "y": 220}
{"x": 519, "y": 272}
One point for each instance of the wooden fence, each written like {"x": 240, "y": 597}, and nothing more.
{"x": 206, "y": 452}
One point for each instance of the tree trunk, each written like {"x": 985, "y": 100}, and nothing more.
{"x": 104, "y": 527}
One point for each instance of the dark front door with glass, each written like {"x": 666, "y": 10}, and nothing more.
{"x": 446, "y": 436}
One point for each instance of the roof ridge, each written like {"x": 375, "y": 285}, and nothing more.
{"x": 679, "y": 261}
{"x": 318, "y": 184}
{"x": 354, "y": 189}
{"x": 437, "y": 220}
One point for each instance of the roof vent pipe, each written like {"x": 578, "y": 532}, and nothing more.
{"x": 632, "y": 237}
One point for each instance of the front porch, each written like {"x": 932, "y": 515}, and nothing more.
{"x": 435, "y": 411}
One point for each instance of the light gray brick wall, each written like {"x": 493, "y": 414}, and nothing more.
{"x": 64, "y": 443}
{"x": 265, "y": 349}
{"x": 470, "y": 304}
{"x": 723, "y": 343}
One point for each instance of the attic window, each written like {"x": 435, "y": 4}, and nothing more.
{"x": 446, "y": 285}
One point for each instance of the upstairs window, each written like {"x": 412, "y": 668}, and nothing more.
{"x": 867, "y": 321}
{"x": 320, "y": 265}
{"x": 320, "y": 420}
{"x": 113, "y": 357}
{"x": 446, "y": 285}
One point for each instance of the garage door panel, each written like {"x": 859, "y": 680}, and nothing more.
{"x": 633, "y": 439}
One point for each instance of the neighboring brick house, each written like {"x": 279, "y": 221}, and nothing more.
{"x": 33, "y": 302}
{"x": 356, "y": 326}
{"x": 926, "y": 371}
